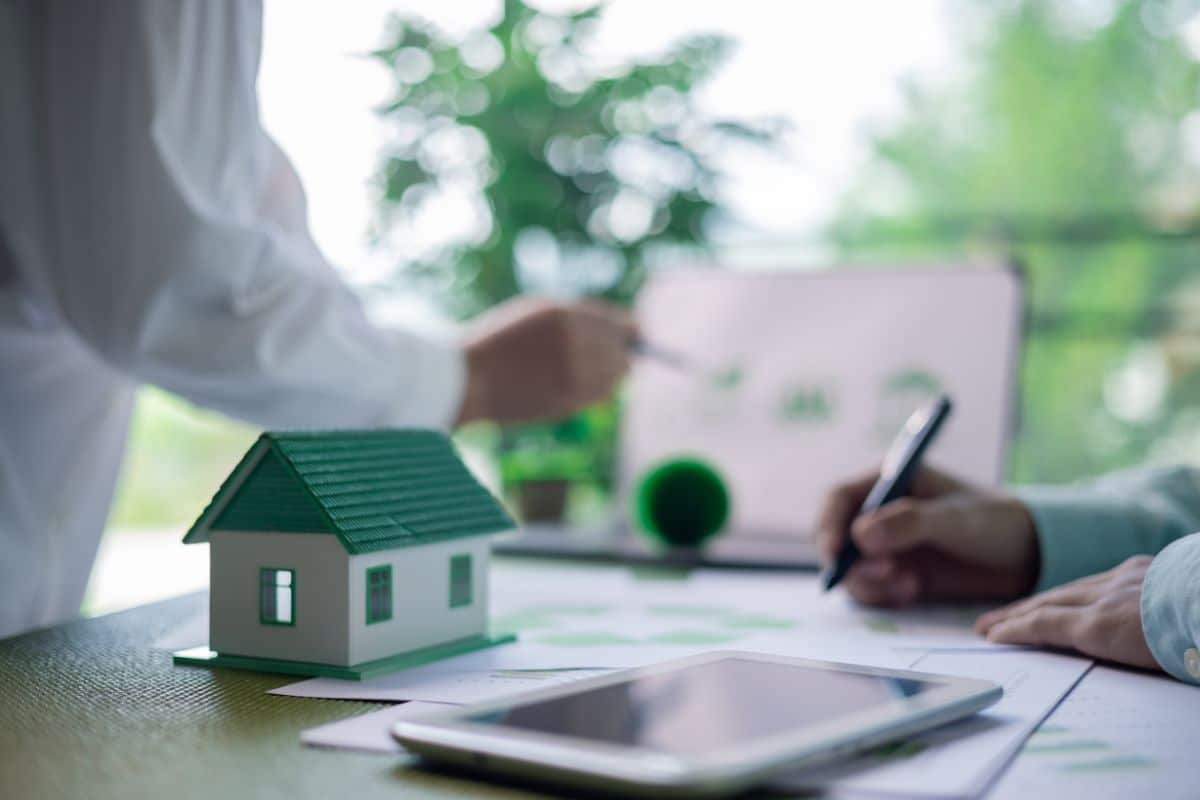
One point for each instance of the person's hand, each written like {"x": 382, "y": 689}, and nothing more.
{"x": 946, "y": 541}
{"x": 1100, "y": 616}
{"x": 537, "y": 359}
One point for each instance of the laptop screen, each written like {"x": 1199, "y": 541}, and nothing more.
{"x": 800, "y": 380}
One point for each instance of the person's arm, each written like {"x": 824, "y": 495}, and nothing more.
{"x": 183, "y": 253}
{"x": 1170, "y": 608}
{"x": 1086, "y": 528}
{"x": 952, "y": 541}
{"x": 184, "y": 257}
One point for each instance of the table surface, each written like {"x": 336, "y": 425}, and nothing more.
{"x": 92, "y": 709}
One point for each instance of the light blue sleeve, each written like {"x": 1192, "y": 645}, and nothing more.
{"x": 1171, "y": 608}
{"x": 1088, "y": 528}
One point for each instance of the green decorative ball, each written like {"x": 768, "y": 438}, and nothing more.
{"x": 682, "y": 502}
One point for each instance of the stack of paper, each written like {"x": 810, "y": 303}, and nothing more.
{"x": 962, "y": 759}
{"x": 1121, "y": 733}
{"x": 575, "y": 621}
{"x": 368, "y": 733}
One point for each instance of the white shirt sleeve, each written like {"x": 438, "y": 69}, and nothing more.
{"x": 183, "y": 256}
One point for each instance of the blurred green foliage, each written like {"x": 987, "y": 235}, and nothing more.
{"x": 1062, "y": 143}
{"x": 574, "y": 170}
{"x": 1069, "y": 139}
{"x": 177, "y": 457}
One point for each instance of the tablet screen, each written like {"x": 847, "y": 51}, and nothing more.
{"x": 708, "y": 707}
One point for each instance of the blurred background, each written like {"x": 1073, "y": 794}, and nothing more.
{"x": 457, "y": 154}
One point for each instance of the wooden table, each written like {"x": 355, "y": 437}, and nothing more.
{"x": 91, "y": 710}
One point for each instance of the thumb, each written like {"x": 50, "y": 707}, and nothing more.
{"x": 907, "y": 523}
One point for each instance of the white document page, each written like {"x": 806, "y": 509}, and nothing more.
{"x": 962, "y": 759}
{"x": 603, "y": 618}
{"x": 370, "y": 732}
{"x": 834, "y": 614}
{"x": 1120, "y": 734}
{"x": 436, "y": 686}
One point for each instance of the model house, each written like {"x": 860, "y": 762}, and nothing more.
{"x": 347, "y": 553}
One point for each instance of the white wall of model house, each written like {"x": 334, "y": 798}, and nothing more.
{"x": 320, "y": 632}
{"x": 330, "y": 597}
{"x": 421, "y": 612}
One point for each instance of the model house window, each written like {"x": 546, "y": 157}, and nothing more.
{"x": 460, "y": 580}
{"x": 379, "y": 593}
{"x": 276, "y": 596}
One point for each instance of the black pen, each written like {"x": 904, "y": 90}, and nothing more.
{"x": 670, "y": 358}
{"x": 899, "y": 466}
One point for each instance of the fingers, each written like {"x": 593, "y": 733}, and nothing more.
{"x": 538, "y": 359}
{"x": 946, "y": 578}
{"x": 1076, "y": 593}
{"x": 899, "y": 526}
{"x": 597, "y": 351}
{"x": 1101, "y": 619}
{"x": 615, "y": 317}
{"x": 1048, "y": 626}
{"x": 882, "y": 583}
{"x": 932, "y": 482}
{"x": 837, "y": 511}
{"x": 907, "y": 523}
{"x": 923, "y": 575}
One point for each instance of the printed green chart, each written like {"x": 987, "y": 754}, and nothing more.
{"x": 1076, "y": 753}
{"x": 684, "y": 625}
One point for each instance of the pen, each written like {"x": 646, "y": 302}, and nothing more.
{"x": 640, "y": 347}
{"x": 899, "y": 466}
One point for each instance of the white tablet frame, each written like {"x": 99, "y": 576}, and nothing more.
{"x": 451, "y": 738}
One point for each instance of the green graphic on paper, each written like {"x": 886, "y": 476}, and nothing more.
{"x": 684, "y": 611}
{"x": 1116, "y": 763}
{"x": 806, "y": 404}
{"x": 695, "y": 638}
{"x": 899, "y": 750}
{"x": 727, "y": 379}
{"x": 881, "y": 625}
{"x": 541, "y": 617}
{"x": 587, "y": 639}
{"x": 701, "y": 625}
{"x": 1068, "y": 746}
{"x": 758, "y": 622}
{"x": 901, "y": 393}
{"x": 1085, "y": 754}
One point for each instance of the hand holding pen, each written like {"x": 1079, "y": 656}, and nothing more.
{"x": 899, "y": 467}
{"x": 946, "y": 540}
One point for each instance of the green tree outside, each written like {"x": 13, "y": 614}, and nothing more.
{"x": 1063, "y": 143}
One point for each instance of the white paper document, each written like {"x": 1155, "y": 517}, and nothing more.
{"x": 432, "y": 685}
{"x": 1120, "y": 734}
{"x": 820, "y": 613}
{"x": 575, "y": 621}
{"x": 370, "y": 732}
{"x": 589, "y": 618}
{"x": 962, "y": 759}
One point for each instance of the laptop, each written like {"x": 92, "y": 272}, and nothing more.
{"x": 799, "y": 380}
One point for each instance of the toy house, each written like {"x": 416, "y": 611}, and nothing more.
{"x": 347, "y": 554}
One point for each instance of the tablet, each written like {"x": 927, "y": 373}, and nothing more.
{"x": 708, "y": 725}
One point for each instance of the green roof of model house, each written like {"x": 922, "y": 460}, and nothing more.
{"x": 375, "y": 490}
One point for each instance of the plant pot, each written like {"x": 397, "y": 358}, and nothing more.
{"x": 542, "y": 500}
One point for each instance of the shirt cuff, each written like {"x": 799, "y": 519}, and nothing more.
{"x": 1074, "y": 535}
{"x": 436, "y": 374}
{"x": 1171, "y": 609}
